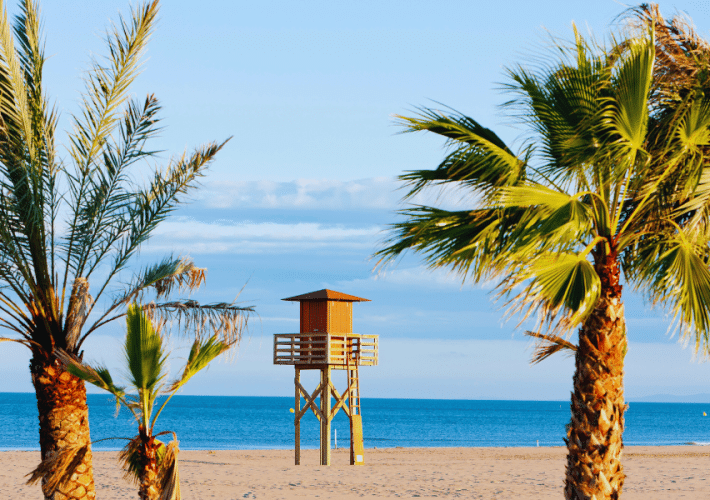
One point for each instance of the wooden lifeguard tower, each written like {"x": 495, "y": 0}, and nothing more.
{"x": 326, "y": 343}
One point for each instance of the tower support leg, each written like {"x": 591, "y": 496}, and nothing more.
{"x": 325, "y": 420}
{"x": 297, "y": 419}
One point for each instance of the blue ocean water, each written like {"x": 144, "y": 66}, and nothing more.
{"x": 221, "y": 422}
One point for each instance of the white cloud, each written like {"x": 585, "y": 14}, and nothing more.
{"x": 319, "y": 194}
{"x": 181, "y": 233}
{"x": 420, "y": 276}
{"x": 379, "y": 193}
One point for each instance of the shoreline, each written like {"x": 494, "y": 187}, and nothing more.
{"x": 689, "y": 445}
{"x": 653, "y": 472}
{"x": 628, "y": 449}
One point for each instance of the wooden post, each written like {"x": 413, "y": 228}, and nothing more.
{"x": 325, "y": 420}
{"x": 297, "y": 419}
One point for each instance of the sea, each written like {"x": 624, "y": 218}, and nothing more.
{"x": 235, "y": 423}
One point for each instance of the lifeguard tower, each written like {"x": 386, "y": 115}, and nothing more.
{"x": 326, "y": 343}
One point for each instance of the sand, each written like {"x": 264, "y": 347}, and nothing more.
{"x": 490, "y": 473}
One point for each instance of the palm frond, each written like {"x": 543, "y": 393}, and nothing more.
{"x": 169, "y": 476}
{"x": 95, "y": 375}
{"x": 107, "y": 87}
{"x": 557, "y": 285}
{"x": 628, "y": 112}
{"x": 549, "y": 345}
{"x": 469, "y": 242}
{"x": 145, "y": 355}
{"x": 561, "y": 104}
{"x": 165, "y": 277}
{"x": 129, "y": 458}
{"x": 683, "y": 57}
{"x": 480, "y": 160}
{"x": 226, "y": 320}
{"x": 102, "y": 222}
{"x": 201, "y": 354}
{"x": 673, "y": 271}
{"x": 154, "y": 204}
{"x": 56, "y": 470}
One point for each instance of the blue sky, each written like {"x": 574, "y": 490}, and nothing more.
{"x": 299, "y": 198}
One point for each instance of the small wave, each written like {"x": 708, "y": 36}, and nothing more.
{"x": 695, "y": 443}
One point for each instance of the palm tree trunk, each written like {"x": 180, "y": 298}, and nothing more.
{"x": 63, "y": 421}
{"x": 149, "y": 488}
{"x": 594, "y": 435}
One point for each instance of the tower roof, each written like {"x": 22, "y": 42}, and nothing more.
{"x": 326, "y": 294}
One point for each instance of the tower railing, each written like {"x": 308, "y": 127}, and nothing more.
{"x": 319, "y": 348}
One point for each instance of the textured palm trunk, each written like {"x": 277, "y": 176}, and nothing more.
{"x": 63, "y": 421}
{"x": 594, "y": 436}
{"x": 149, "y": 487}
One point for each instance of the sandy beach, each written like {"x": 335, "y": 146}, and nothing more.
{"x": 487, "y": 473}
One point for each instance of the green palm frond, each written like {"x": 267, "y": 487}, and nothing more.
{"x": 107, "y": 87}
{"x": 102, "y": 221}
{"x": 480, "y": 159}
{"x": 556, "y": 286}
{"x": 466, "y": 241}
{"x": 201, "y": 354}
{"x": 145, "y": 355}
{"x": 533, "y": 195}
{"x": 562, "y": 106}
{"x": 674, "y": 271}
{"x": 153, "y": 204}
{"x": 171, "y": 274}
{"x": 95, "y": 375}
{"x": 108, "y": 215}
{"x": 627, "y": 113}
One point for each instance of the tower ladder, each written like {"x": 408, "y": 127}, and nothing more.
{"x": 357, "y": 449}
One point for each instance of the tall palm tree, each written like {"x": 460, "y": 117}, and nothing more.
{"x": 70, "y": 227}
{"x": 605, "y": 182}
{"x": 152, "y": 463}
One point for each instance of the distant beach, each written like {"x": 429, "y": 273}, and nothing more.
{"x": 653, "y": 473}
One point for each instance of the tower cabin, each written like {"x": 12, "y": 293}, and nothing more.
{"x": 326, "y": 342}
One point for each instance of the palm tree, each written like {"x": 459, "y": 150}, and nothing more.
{"x": 70, "y": 228}
{"x": 152, "y": 463}
{"x": 606, "y": 181}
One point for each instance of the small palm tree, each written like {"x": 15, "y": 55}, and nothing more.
{"x": 70, "y": 228}
{"x": 150, "y": 462}
{"x": 607, "y": 181}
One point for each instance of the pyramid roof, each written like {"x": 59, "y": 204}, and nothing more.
{"x": 326, "y": 294}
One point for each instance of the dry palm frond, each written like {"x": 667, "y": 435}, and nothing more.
{"x": 226, "y": 320}
{"x": 191, "y": 278}
{"x": 129, "y": 458}
{"x": 168, "y": 475}
{"x": 682, "y": 56}
{"x": 57, "y": 469}
{"x": 549, "y": 345}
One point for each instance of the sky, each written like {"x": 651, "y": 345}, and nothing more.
{"x": 301, "y": 196}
